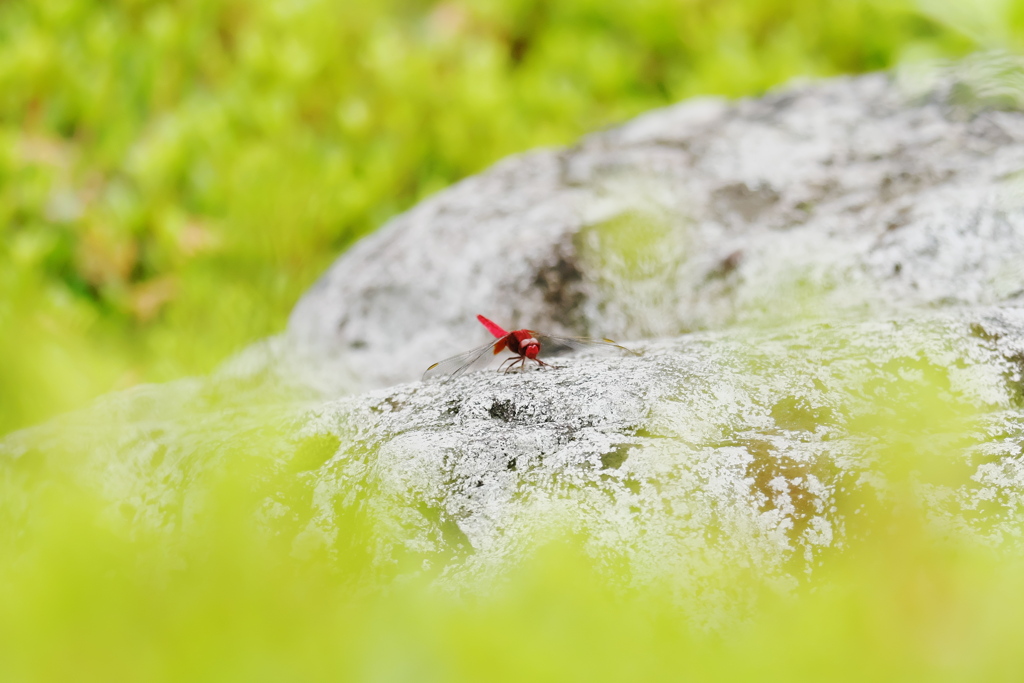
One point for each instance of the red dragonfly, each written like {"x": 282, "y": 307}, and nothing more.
{"x": 526, "y": 344}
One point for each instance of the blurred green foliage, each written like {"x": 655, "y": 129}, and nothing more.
{"x": 173, "y": 175}
{"x": 90, "y": 591}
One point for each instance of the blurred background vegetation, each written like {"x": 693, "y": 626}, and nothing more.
{"x": 173, "y": 175}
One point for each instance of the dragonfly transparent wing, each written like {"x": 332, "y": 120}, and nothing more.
{"x": 464, "y": 362}
{"x": 552, "y": 345}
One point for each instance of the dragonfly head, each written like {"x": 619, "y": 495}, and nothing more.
{"x": 530, "y": 348}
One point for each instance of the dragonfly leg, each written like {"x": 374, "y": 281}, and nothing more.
{"x": 511, "y": 364}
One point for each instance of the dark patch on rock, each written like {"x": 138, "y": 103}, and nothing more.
{"x": 901, "y": 219}
{"x": 560, "y": 282}
{"x": 981, "y": 332}
{"x": 454, "y": 537}
{"x": 897, "y": 184}
{"x": 613, "y": 459}
{"x": 502, "y": 409}
{"x": 777, "y": 475}
{"x": 741, "y": 199}
{"x": 756, "y": 447}
{"x": 796, "y": 414}
{"x": 727, "y": 265}
{"x": 642, "y": 431}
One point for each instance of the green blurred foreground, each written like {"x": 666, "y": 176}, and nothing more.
{"x": 92, "y": 589}
{"x": 174, "y": 175}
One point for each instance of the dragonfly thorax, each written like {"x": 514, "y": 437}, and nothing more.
{"x": 523, "y": 343}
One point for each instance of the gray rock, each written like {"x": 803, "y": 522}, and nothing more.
{"x": 834, "y": 273}
{"x": 747, "y": 451}
{"x": 850, "y": 197}
{"x": 755, "y": 451}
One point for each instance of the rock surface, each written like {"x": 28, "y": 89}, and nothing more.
{"x": 855, "y": 196}
{"x": 746, "y": 451}
{"x": 834, "y": 272}
{"x": 709, "y": 450}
